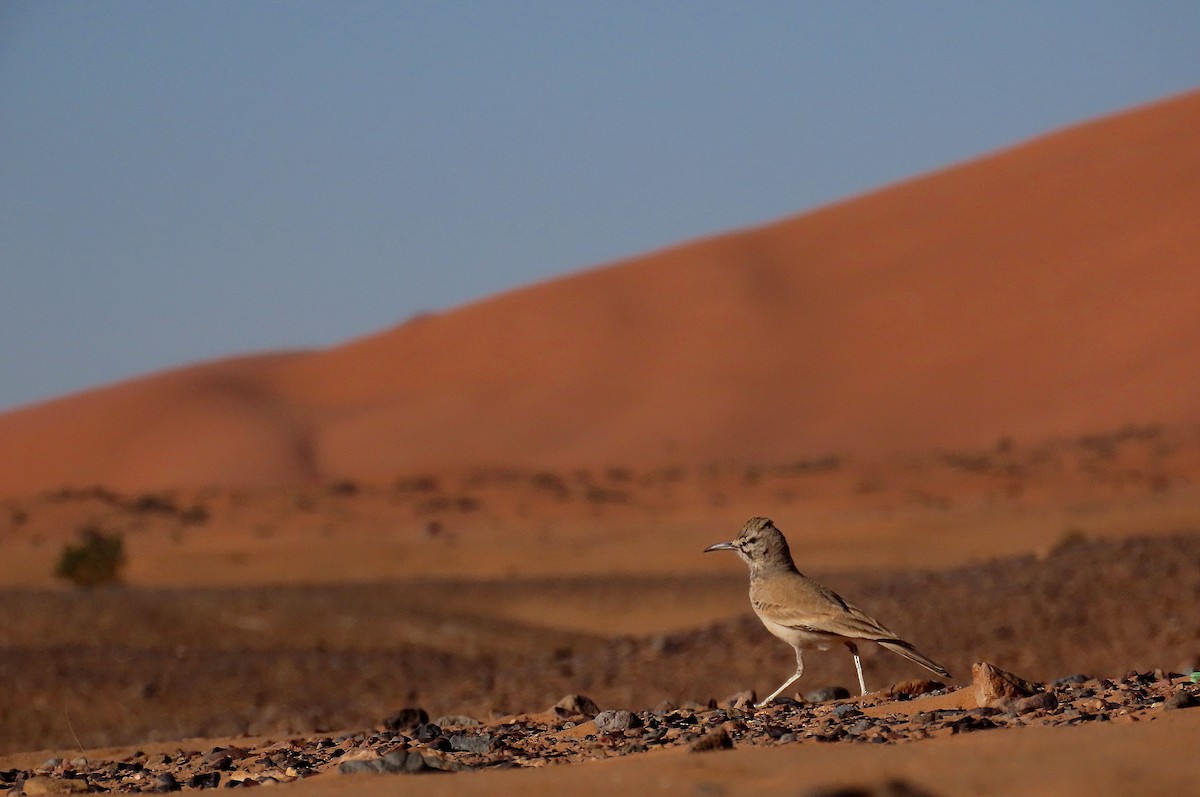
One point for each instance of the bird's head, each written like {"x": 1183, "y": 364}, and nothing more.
{"x": 759, "y": 544}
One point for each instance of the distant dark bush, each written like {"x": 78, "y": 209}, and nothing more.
{"x": 150, "y": 502}
{"x": 417, "y": 484}
{"x": 194, "y": 515}
{"x": 600, "y": 495}
{"x": 551, "y": 482}
{"x": 97, "y": 560}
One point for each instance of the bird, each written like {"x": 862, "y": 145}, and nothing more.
{"x": 803, "y": 612}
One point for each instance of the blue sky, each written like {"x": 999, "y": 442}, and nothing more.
{"x": 183, "y": 181}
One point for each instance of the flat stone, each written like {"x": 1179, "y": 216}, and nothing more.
{"x": 406, "y": 719}
{"x": 480, "y": 744}
{"x": 827, "y": 693}
{"x": 456, "y": 721}
{"x": 1042, "y": 700}
{"x": 578, "y": 704}
{"x": 1182, "y": 698}
{"x": 615, "y": 721}
{"x": 1070, "y": 680}
{"x": 717, "y": 739}
{"x": 205, "y": 780}
{"x": 407, "y": 762}
{"x": 914, "y": 687}
{"x": 40, "y": 784}
{"x": 166, "y": 782}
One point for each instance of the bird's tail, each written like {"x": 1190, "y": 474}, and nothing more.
{"x": 902, "y": 648}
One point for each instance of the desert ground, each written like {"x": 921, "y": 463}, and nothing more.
{"x": 471, "y": 545}
{"x": 256, "y": 615}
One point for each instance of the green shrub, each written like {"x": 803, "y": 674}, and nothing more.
{"x": 97, "y": 560}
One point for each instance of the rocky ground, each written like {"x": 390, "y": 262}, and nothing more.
{"x": 577, "y": 730}
{"x": 138, "y": 666}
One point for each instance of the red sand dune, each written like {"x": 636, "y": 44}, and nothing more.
{"x": 1048, "y": 289}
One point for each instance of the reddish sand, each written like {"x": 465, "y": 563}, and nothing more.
{"x": 1046, "y": 290}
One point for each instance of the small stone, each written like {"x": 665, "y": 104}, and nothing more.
{"x": 205, "y": 780}
{"x": 914, "y": 687}
{"x": 846, "y": 710}
{"x": 427, "y": 732}
{"x": 742, "y": 700}
{"x": 406, "y": 719}
{"x": 891, "y": 788}
{"x": 1071, "y": 680}
{"x": 220, "y": 761}
{"x": 440, "y": 763}
{"x": 615, "y": 721}
{"x": 826, "y": 694}
{"x": 578, "y": 704}
{"x": 456, "y": 721}
{"x": 994, "y": 686}
{"x": 359, "y": 766}
{"x": 1181, "y": 699}
{"x": 461, "y": 743}
{"x": 862, "y": 726}
{"x": 403, "y": 762}
{"x": 166, "y": 782}
{"x": 717, "y": 739}
{"x": 1042, "y": 700}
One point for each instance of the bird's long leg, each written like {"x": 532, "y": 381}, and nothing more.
{"x": 785, "y": 684}
{"x": 857, "y": 666}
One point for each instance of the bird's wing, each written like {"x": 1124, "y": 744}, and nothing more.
{"x": 801, "y": 603}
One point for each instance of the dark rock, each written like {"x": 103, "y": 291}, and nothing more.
{"x": 970, "y": 723}
{"x": 827, "y": 693}
{"x": 427, "y": 732}
{"x": 359, "y": 766}
{"x": 846, "y": 710}
{"x": 615, "y": 721}
{"x": 716, "y": 739}
{"x": 403, "y": 762}
{"x": 891, "y": 788}
{"x": 461, "y": 743}
{"x": 775, "y": 731}
{"x": 441, "y": 744}
{"x": 1042, "y": 700}
{"x": 166, "y": 782}
{"x": 205, "y": 780}
{"x": 220, "y": 761}
{"x": 406, "y": 719}
{"x": 1182, "y": 698}
{"x": 578, "y": 704}
{"x": 862, "y": 726}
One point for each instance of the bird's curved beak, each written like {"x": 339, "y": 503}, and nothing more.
{"x": 721, "y": 546}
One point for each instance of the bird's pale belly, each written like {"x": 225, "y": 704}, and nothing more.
{"x": 796, "y": 637}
